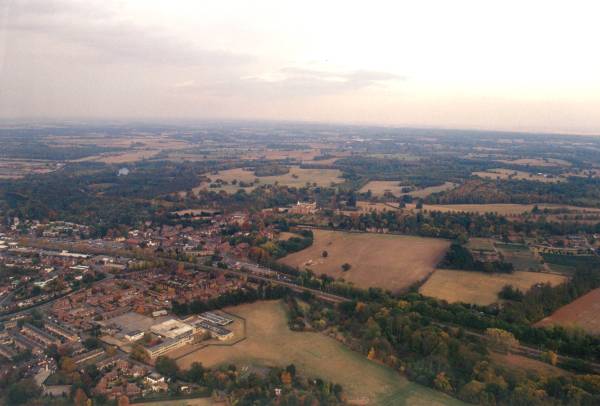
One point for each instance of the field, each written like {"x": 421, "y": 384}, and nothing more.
{"x": 296, "y": 177}
{"x": 183, "y": 402}
{"x": 138, "y": 147}
{"x": 271, "y": 343}
{"x": 380, "y": 187}
{"x": 387, "y": 261}
{"x": 506, "y": 209}
{"x": 582, "y": 313}
{"x": 520, "y": 256}
{"x": 478, "y": 287}
{"x": 551, "y": 162}
{"x": 518, "y": 175}
{"x": 519, "y": 362}
{"x": 569, "y": 263}
{"x": 480, "y": 244}
{"x": 17, "y": 168}
{"x": 285, "y": 235}
{"x": 367, "y": 206}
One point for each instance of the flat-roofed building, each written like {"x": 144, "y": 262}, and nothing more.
{"x": 134, "y": 335}
{"x": 173, "y": 328}
{"x": 215, "y": 318}
{"x": 215, "y": 331}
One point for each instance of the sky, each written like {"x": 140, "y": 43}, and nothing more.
{"x": 523, "y": 65}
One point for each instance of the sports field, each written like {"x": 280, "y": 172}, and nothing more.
{"x": 271, "y": 343}
{"x": 387, "y": 261}
{"x": 478, "y": 287}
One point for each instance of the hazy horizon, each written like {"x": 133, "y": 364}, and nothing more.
{"x": 505, "y": 66}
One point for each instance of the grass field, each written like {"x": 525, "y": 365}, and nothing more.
{"x": 387, "y": 261}
{"x": 380, "y": 187}
{"x": 183, "y": 402}
{"x": 296, "y": 177}
{"x": 537, "y": 162}
{"x": 271, "y": 343}
{"x": 480, "y": 244}
{"x": 368, "y": 206}
{"x": 478, "y": 287}
{"x": 520, "y": 256}
{"x": 506, "y": 209}
{"x": 519, "y": 362}
{"x": 569, "y": 263}
{"x": 285, "y": 235}
{"x": 582, "y": 313}
{"x": 518, "y": 175}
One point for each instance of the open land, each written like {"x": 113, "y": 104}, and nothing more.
{"x": 506, "y": 209}
{"x": 363, "y": 206}
{"x": 582, "y": 313}
{"x": 296, "y": 177}
{"x": 271, "y": 343}
{"x": 478, "y": 287}
{"x": 380, "y": 187}
{"x": 519, "y": 362}
{"x": 387, "y": 261}
{"x": 520, "y": 256}
{"x": 17, "y": 168}
{"x": 518, "y": 175}
{"x": 182, "y": 402}
{"x": 480, "y": 244}
{"x": 541, "y": 162}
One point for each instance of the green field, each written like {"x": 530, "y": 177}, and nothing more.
{"x": 569, "y": 263}
{"x": 480, "y": 244}
{"x": 520, "y": 256}
{"x": 270, "y": 342}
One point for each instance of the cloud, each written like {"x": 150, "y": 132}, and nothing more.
{"x": 294, "y": 82}
{"x": 112, "y": 38}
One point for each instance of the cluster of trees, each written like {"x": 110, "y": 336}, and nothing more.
{"x": 32, "y": 149}
{"x": 271, "y": 169}
{"x": 459, "y": 257}
{"x": 430, "y": 224}
{"x": 516, "y": 316}
{"x": 394, "y": 332}
{"x": 576, "y": 190}
{"x": 239, "y": 296}
{"x": 280, "y": 248}
{"x": 254, "y": 389}
{"x": 427, "y": 171}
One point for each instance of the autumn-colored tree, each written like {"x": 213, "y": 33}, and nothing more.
{"x": 550, "y": 357}
{"x": 138, "y": 353}
{"x": 67, "y": 365}
{"x": 80, "y": 398}
{"x": 286, "y": 378}
{"x": 372, "y": 354}
{"x": 501, "y": 340}
{"x": 442, "y": 383}
{"x": 123, "y": 401}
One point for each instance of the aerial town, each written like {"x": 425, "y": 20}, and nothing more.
{"x": 299, "y": 203}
